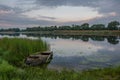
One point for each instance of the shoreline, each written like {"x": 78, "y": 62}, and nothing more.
{"x": 71, "y": 32}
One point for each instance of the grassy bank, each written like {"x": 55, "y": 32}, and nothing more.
{"x": 72, "y": 32}
{"x": 78, "y": 32}
{"x": 33, "y": 73}
{"x": 13, "y": 51}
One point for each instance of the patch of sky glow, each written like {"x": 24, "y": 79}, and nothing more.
{"x": 65, "y": 13}
{"x": 112, "y": 14}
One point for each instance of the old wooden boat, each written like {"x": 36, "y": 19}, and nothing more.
{"x": 39, "y": 58}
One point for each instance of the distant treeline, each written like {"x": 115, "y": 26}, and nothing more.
{"x": 113, "y": 25}
{"x": 10, "y": 30}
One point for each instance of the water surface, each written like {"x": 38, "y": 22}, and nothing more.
{"x": 79, "y": 52}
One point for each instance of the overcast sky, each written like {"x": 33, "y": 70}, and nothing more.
{"x": 29, "y": 13}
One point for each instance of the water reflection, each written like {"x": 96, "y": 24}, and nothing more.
{"x": 81, "y": 51}
{"x": 10, "y": 34}
{"x": 111, "y": 39}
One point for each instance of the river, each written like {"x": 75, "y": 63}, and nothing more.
{"x": 79, "y": 52}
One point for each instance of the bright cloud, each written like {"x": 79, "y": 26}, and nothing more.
{"x": 65, "y": 13}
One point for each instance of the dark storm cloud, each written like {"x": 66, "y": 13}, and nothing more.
{"x": 103, "y": 6}
{"x": 5, "y": 8}
{"x": 12, "y": 9}
{"x": 110, "y": 6}
{"x": 12, "y": 16}
{"x": 55, "y": 3}
{"x": 20, "y": 21}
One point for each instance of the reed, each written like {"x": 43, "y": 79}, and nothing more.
{"x": 15, "y": 50}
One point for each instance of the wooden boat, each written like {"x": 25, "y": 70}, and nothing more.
{"x": 39, "y": 58}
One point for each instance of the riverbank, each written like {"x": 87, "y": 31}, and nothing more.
{"x": 72, "y": 32}
{"x": 88, "y": 32}
{"x": 36, "y": 73}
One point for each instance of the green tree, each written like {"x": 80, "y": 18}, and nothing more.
{"x": 98, "y": 27}
{"x": 113, "y": 25}
{"x": 85, "y": 26}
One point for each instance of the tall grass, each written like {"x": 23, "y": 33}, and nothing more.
{"x": 32, "y": 73}
{"x": 15, "y": 50}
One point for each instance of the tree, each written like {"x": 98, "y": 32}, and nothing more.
{"x": 98, "y": 27}
{"x": 85, "y": 26}
{"x": 113, "y": 25}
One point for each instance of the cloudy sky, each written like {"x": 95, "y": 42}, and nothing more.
{"x": 28, "y": 13}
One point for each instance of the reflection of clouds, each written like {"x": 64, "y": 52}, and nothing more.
{"x": 73, "y": 48}
{"x": 99, "y": 57}
{"x": 106, "y": 46}
{"x": 111, "y": 49}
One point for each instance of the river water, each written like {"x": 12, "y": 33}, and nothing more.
{"x": 79, "y": 52}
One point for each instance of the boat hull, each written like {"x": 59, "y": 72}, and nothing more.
{"x": 39, "y": 58}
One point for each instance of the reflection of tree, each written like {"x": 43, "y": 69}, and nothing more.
{"x": 112, "y": 40}
{"x": 85, "y": 38}
{"x": 10, "y": 34}
{"x": 75, "y": 37}
{"x": 98, "y": 38}
{"x": 65, "y": 36}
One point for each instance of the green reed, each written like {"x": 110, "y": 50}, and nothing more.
{"x": 15, "y": 50}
